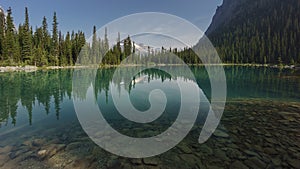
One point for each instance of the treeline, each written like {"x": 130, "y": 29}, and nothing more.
{"x": 39, "y": 47}
{"x": 25, "y": 46}
{"x": 261, "y": 31}
{"x": 99, "y": 51}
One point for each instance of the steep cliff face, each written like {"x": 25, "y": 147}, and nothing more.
{"x": 257, "y": 31}
{"x": 2, "y": 18}
{"x": 225, "y": 13}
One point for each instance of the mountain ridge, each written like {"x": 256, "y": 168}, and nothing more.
{"x": 257, "y": 31}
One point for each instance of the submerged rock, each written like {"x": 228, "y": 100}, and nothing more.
{"x": 42, "y": 154}
{"x": 294, "y": 163}
{"x": 221, "y": 155}
{"x": 184, "y": 148}
{"x": 219, "y": 133}
{"x": 151, "y": 161}
{"x": 136, "y": 161}
{"x": 238, "y": 165}
{"x": 205, "y": 149}
{"x": 6, "y": 149}
{"x": 254, "y": 162}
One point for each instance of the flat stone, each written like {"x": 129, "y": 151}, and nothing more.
{"x": 27, "y": 143}
{"x": 151, "y": 161}
{"x": 233, "y": 153}
{"x": 271, "y": 140}
{"x": 221, "y": 155}
{"x": 38, "y": 142}
{"x": 136, "y": 161}
{"x": 276, "y": 161}
{"x": 52, "y": 149}
{"x": 113, "y": 163}
{"x": 190, "y": 159}
{"x": 219, "y": 133}
{"x": 251, "y": 153}
{"x": 254, "y": 162}
{"x": 184, "y": 148}
{"x": 20, "y": 151}
{"x": 205, "y": 149}
{"x": 73, "y": 145}
{"x": 238, "y": 165}
{"x": 270, "y": 151}
{"x": 251, "y": 118}
{"x": 3, "y": 159}
{"x": 42, "y": 152}
{"x": 80, "y": 163}
{"x": 213, "y": 167}
{"x": 294, "y": 163}
{"x": 6, "y": 149}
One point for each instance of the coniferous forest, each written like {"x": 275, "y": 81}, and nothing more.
{"x": 259, "y": 31}
{"x": 40, "y": 47}
{"x": 37, "y": 46}
{"x": 271, "y": 38}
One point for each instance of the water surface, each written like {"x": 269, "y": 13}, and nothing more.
{"x": 259, "y": 128}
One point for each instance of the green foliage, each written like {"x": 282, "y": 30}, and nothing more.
{"x": 25, "y": 47}
{"x": 260, "y": 32}
{"x": 54, "y": 43}
{"x": 11, "y": 50}
{"x": 25, "y": 39}
{"x": 2, "y": 30}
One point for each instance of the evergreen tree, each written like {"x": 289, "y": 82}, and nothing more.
{"x": 68, "y": 49}
{"x": 61, "y": 50}
{"x": 95, "y": 56}
{"x": 10, "y": 51}
{"x": 127, "y": 47}
{"x": 2, "y": 29}
{"x": 261, "y": 31}
{"x": 106, "y": 43}
{"x": 46, "y": 36}
{"x": 26, "y": 38}
{"x": 54, "y": 44}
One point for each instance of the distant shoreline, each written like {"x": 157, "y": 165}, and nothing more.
{"x": 29, "y": 68}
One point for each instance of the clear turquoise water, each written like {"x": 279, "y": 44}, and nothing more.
{"x": 39, "y": 105}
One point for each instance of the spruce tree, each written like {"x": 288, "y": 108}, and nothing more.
{"x": 54, "y": 44}
{"x": 127, "y": 47}
{"x": 2, "y": 40}
{"x": 10, "y": 39}
{"x": 26, "y": 40}
{"x": 45, "y": 37}
{"x": 95, "y": 48}
{"x": 68, "y": 49}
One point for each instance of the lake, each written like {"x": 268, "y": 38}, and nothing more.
{"x": 259, "y": 128}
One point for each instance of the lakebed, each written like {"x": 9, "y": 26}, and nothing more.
{"x": 259, "y": 128}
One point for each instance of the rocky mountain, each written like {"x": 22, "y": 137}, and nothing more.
{"x": 225, "y": 13}
{"x": 257, "y": 31}
{"x": 2, "y": 15}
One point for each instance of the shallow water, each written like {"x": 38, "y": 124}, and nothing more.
{"x": 259, "y": 128}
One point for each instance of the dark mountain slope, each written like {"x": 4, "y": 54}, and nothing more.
{"x": 257, "y": 31}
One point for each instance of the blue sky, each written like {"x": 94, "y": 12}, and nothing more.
{"x": 82, "y": 15}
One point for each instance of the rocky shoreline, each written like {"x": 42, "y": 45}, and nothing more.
{"x": 35, "y": 68}
{"x": 252, "y": 134}
{"x": 18, "y": 69}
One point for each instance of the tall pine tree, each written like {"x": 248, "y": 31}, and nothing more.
{"x": 54, "y": 44}
{"x": 26, "y": 40}
{"x": 11, "y": 50}
{"x": 2, "y": 28}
